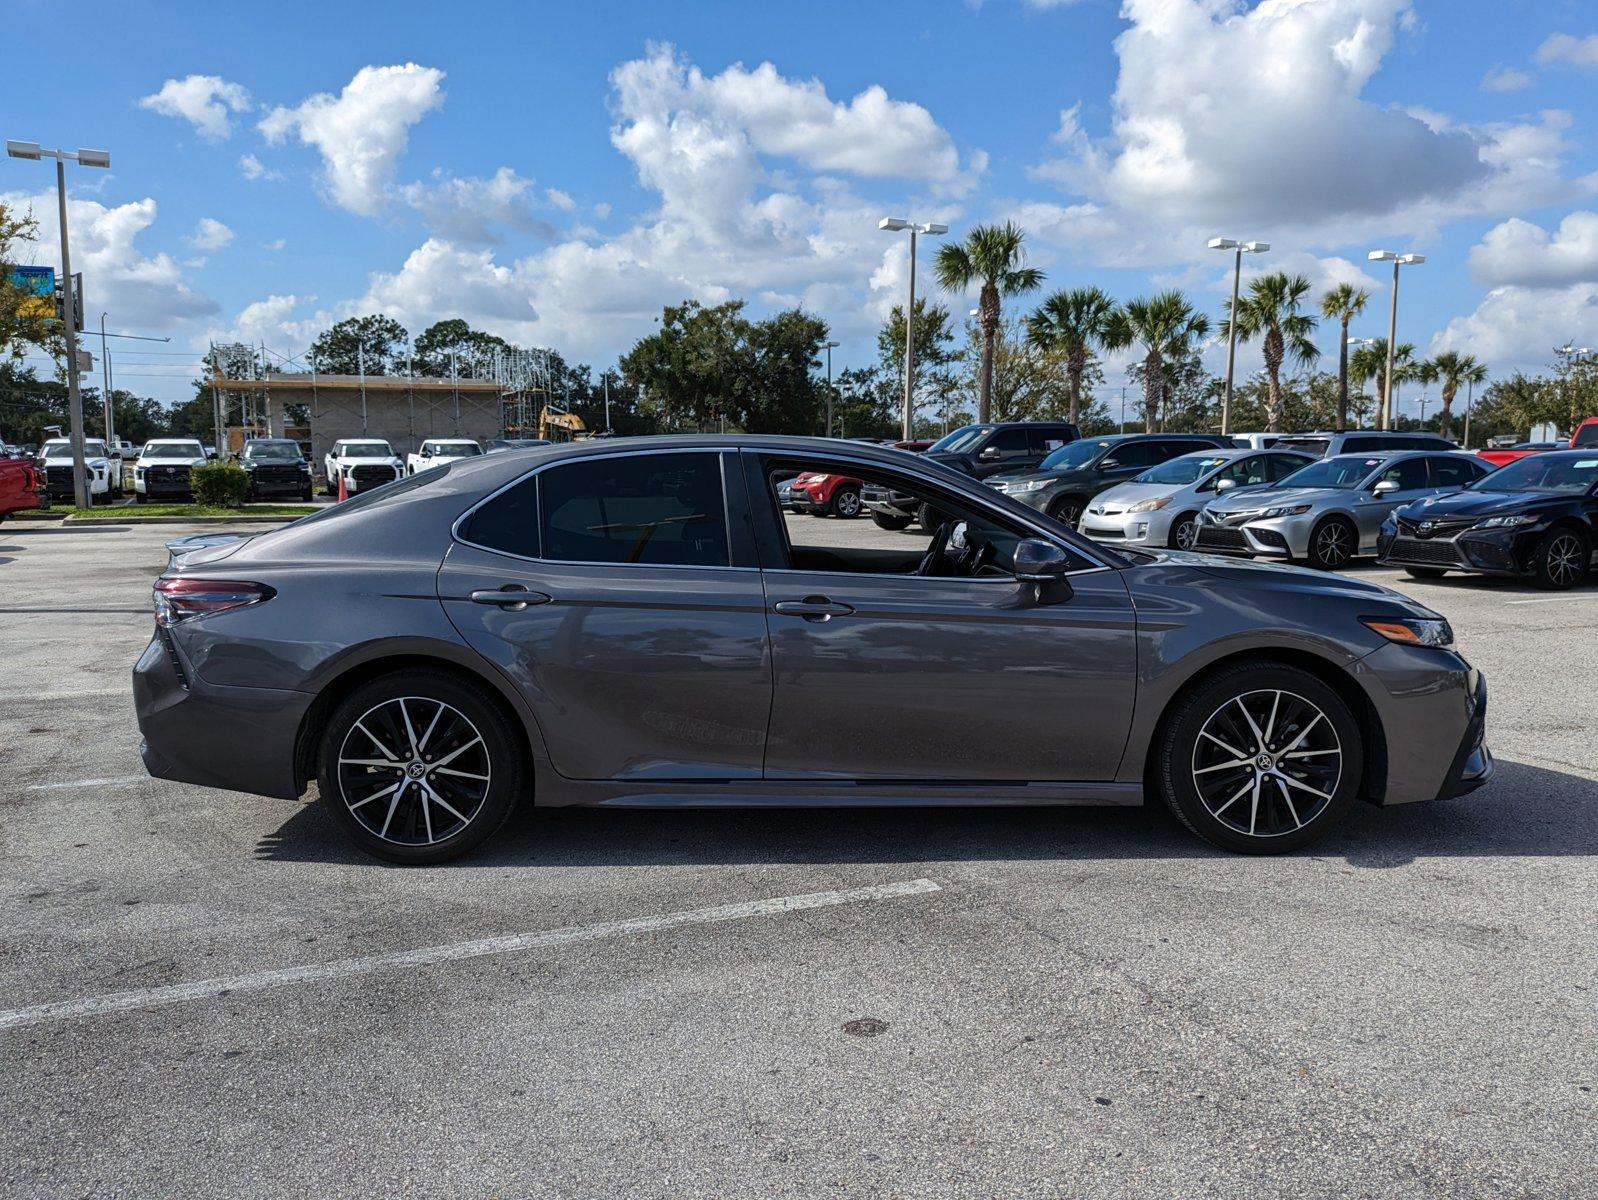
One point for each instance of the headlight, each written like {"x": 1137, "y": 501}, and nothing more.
{"x": 1506, "y": 522}
{"x": 1149, "y": 505}
{"x": 305, "y": 466}
{"x": 1412, "y": 631}
{"x": 1024, "y": 485}
{"x": 1286, "y": 510}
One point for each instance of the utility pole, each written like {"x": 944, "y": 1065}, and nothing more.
{"x": 830, "y": 346}
{"x": 606, "y": 378}
{"x": 898, "y": 225}
{"x": 105, "y": 388}
{"x": 1231, "y": 338}
{"x": 1398, "y": 260}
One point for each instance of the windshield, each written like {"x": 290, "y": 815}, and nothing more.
{"x": 272, "y": 451}
{"x": 1542, "y": 473}
{"x": 1186, "y": 469}
{"x": 960, "y": 439}
{"x": 175, "y": 450}
{"x": 1343, "y": 471}
{"x": 1074, "y": 454}
{"x": 366, "y": 450}
{"x": 453, "y": 449}
{"x": 64, "y": 450}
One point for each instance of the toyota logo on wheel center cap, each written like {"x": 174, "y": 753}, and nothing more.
{"x": 416, "y": 770}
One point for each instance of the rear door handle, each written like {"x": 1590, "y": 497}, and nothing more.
{"x": 812, "y": 608}
{"x": 513, "y": 596}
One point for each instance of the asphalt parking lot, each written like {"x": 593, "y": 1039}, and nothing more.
{"x": 964, "y": 1002}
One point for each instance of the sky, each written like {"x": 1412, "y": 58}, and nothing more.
{"x": 555, "y": 173}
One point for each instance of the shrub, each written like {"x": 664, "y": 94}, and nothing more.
{"x": 220, "y": 485}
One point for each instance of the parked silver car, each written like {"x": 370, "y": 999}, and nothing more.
{"x": 1160, "y": 507}
{"x": 638, "y": 623}
{"x": 1331, "y": 511}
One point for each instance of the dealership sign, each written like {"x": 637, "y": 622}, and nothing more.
{"x": 39, "y": 284}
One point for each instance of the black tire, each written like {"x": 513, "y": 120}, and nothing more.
{"x": 1332, "y": 543}
{"x": 1560, "y": 561}
{"x": 1179, "y": 749}
{"x": 1425, "y": 572}
{"x": 1067, "y": 510}
{"x": 499, "y": 756}
{"x": 894, "y": 522}
{"x": 307, "y": 493}
{"x": 845, "y": 503}
{"x": 140, "y": 498}
{"x": 1184, "y": 532}
{"x": 929, "y": 518}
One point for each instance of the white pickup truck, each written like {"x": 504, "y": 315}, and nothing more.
{"x": 435, "y": 452}
{"x": 365, "y": 463}
{"x": 104, "y": 472}
{"x": 162, "y": 471}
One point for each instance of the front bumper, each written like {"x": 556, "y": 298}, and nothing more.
{"x": 1128, "y": 528}
{"x": 240, "y": 739}
{"x": 1432, "y": 709}
{"x": 1480, "y": 551}
{"x": 1278, "y": 537}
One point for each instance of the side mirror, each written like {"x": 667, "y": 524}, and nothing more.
{"x": 1385, "y": 487}
{"x": 991, "y": 454}
{"x": 1225, "y": 485}
{"x": 957, "y": 536}
{"x": 1108, "y": 464}
{"x": 1038, "y": 561}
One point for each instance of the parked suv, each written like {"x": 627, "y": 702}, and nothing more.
{"x": 365, "y": 463}
{"x": 1074, "y": 474}
{"x": 104, "y": 472}
{"x": 436, "y": 452}
{"x": 1361, "y": 441}
{"x": 822, "y": 495}
{"x": 162, "y": 472}
{"x": 277, "y": 467}
{"x": 983, "y": 450}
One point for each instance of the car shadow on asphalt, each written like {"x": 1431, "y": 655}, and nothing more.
{"x": 1456, "y": 581}
{"x": 1526, "y": 811}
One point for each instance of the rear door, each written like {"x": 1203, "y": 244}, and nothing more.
{"x": 621, "y": 597}
{"x": 1008, "y": 448}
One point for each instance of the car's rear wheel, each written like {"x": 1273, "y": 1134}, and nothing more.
{"x": 1184, "y": 532}
{"x": 929, "y": 518}
{"x": 1332, "y": 543}
{"x": 888, "y": 521}
{"x": 419, "y": 766}
{"x": 845, "y": 503}
{"x": 1425, "y": 572}
{"x": 1561, "y": 559}
{"x": 1260, "y": 758}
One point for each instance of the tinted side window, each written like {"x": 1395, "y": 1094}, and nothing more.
{"x": 1411, "y": 473}
{"x": 1047, "y": 438}
{"x": 508, "y": 522}
{"x": 1010, "y": 441}
{"x": 1246, "y": 471}
{"x": 1161, "y": 451}
{"x": 1455, "y": 472}
{"x": 1135, "y": 454}
{"x": 666, "y": 509}
{"x": 1280, "y": 465}
{"x": 1361, "y": 445}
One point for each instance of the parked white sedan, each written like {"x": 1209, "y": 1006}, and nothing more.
{"x": 436, "y": 452}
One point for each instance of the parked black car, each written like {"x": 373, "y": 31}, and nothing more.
{"x": 277, "y": 467}
{"x": 983, "y": 450}
{"x": 1361, "y": 441}
{"x": 1536, "y": 518}
{"x": 1071, "y": 476}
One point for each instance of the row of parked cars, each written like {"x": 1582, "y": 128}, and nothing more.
{"x": 1413, "y": 500}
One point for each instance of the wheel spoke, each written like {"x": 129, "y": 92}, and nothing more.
{"x": 456, "y": 753}
{"x": 367, "y": 762}
{"x": 1304, "y": 733}
{"x": 1270, "y": 726}
{"x": 1234, "y": 763}
{"x": 1287, "y": 797}
{"x": 1254, "y": 805}
{"x": 1299, "y": 783}
{"x": 1232, "y": 750}
{"x": 1236, "y": 796}
{"x": 410, "y": 730}
{"x": 427, "y": 814}
{"x": 431, "y": 725}
{"x": 393, "y": 804}
{"x": 444, "y": 804}
{"x": 1259, "y": 738}
{"x": 376, "y": 741}
{"x": 460, "y": 774}
{"x": 377, "y": 795}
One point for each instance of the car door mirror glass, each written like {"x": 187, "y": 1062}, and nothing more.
{"x": 1225, "y": 485}
{"x": 957, "y": 536}
{"x": 1038, "y": 561}
{"x": 991, "y": 454}
{"x": 1108, "y": 464}
{"x": 1385, "y": 487}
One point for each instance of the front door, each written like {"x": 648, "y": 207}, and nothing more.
{"x": 607, "y": 590}
{"x": 882, "y": 673}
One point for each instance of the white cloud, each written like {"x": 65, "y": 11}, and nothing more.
{"x": 1519, "y": 252}
{"x": 254, "y": 169}
{"x": 205, "y": 101}
{"x": 561, "y": 200}
{"x": 361, "y": 132}
{"x": 275, "y": 245}
{"x": 470, "y": 211}
{"x": 1516, "y": 328}
{"x": 210, "y": 234}
{"x": 144, "y": 290}
{"x": 1570, "y": 51}
{"x": 270, "y": 320}
{"x": 1507, "y": 79}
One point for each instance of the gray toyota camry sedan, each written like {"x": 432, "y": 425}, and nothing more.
{"x": 640, "y": 623}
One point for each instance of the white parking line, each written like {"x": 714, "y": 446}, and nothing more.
{"x": 211, "y": 988}
{"x": 83, "y": 783}
{"x": 1556, "y": 599}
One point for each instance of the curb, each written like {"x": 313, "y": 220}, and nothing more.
{"x": 197, "y": 520}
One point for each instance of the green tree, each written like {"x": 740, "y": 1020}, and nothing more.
{"x": 20, "y": 326}
{"x": 1342, "y": 304}
{"x": 993, "y": 258}
{"x": 1164, "y": 326}
{"x": 1512, "y": 407}
{"x": 454, "y": 345}
{"x": 1370, "y": 362}
{"x": 1072, "y": 324}
{"x": 373, "y": 345}
{"x": 938, "y": 359}
{"x": 1273, "y": 310}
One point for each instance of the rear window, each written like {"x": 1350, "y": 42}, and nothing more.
{"x": 664, "y": 509}
{"x": 1315, "y": 446}
{"x": 507, "y": 523}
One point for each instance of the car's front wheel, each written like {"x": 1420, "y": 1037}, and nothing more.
{"x": 1332, "y": 543}
{"x": 845, "y": 503}
{"x": 420, "y": 767}
{"x": 1184, "y": 532}
{"x": 1259, "y": 758}
{"x": 1561, "y": 559}
{"x": 891, "y": 521}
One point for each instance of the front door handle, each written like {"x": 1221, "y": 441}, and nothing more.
{"x": 513, "y": 597}
{"x": 812, "y": 608}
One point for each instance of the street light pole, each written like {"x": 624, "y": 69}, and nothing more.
{"x": 932, "y": 228}
{"x": 830, "y": 347}
{"x": 1231, "y": 338}
{"x": 1398, "y": 260}
{"x": 88, "y": 158}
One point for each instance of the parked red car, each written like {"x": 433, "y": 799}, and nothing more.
{"x": 1585, "y": 434}
{"x": 1505, "y": 455}
{"x": 22, "y": 486}
{"x": 823, "y": 495}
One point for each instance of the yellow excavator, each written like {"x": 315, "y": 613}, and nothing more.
{"x": 555, "y": 425}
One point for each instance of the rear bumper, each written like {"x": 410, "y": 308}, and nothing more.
{"x": 240, "y": 739}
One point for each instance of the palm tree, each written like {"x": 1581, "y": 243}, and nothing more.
{"x": 1454, "y": 369}
{"x": 1342, "y": 304}
{"x": 1272, "y": 310}
{"x": 1166, "y": 326}
{"x": 991, "y": 256}
{"x": 1370, "y": 362}
{"x": 1071, "y": 323}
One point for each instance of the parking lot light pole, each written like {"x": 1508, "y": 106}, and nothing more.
{"x": 829, "y": 347}
{"x": 932, "y": 229}
{"x": 1238, "y": 248}
{"x": 1398, "y": 260}
{"x": 33, "y": 152}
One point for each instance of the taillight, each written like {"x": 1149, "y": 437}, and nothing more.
{"x": 178, "y": 598}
